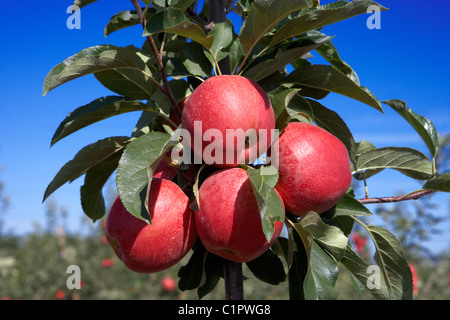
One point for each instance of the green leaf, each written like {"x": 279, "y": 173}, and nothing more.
{"x": 288, "y": 105}
{"x": 281, "y": 100}
{"x": 191, "y": 274}
{"x": 129, "y": 64}
{"x": 322, "y": 16}
{"x": 408, "y": 161}
{"x": 174, "y": 21}
{"x": 132, "y": 177}
{"x": 284, "y": 247}
{"x": 91, "y": 195}
{"x": 203, "y": 271}
{"x": 268, "y": 268}
{"x": 325, "y": 77}
{"x": 195, "y": 61}
{"x": 364, "y": 273}
{"x": 270, "y": 205}
{"x": 330, "y": 53}
{"x": 333, "y": 123}
{"x": 83, "y": 3}
{"x": 212, "y": 272}
{"x": 97, "y": 110}
{"x": 180, "y": 90}
{"x": 322, "y": 274}
{"x": 235, "y": 53}
{"x": 440, "y": 183}
{"x": 392, "y": 262}
{"x": 267, "y": 67}
{"x": 359, "y": 148}
{"x": 329, "y": 237}
{"x": 125, "y": 19}
{"x": 422, "y": 125}
{"x": 84, "y": 160}
{"x": 349, "y": 206}
{"x": 300, "y": 109}
{"x": 181, "y": 4}
{"x": 303, "y": 242}
{"x": 362, "y": 147}
{"x": 223, "y": 37}
{"x": 263, "y": 16}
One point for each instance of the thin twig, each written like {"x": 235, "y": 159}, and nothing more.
{"x": 410, "y": 196}
{"x": 167, "y": 90}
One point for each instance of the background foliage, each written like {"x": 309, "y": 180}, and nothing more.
{"x": 34, "y": 267}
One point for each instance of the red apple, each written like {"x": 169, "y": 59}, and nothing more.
{"x": 229, "y": 221}
{"x": 60, "y": 295}
{"x": 173, "y": 114}
{"x": 148, "y": 248}
{"x": 106, "y": 263}
{"x": 314, "y": 169}
{"x": 168, "y": 284}
{"x": 222, "y": 105}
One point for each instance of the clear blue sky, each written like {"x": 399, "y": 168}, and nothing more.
{"x": 406, "y": 59}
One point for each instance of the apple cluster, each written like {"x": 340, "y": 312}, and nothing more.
{"x": 314, "y": 174}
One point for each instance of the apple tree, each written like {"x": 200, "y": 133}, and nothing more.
{"x": 187, "y": 42}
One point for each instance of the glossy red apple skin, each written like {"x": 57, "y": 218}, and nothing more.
{"x": 229, "y": 221}
{"x": 229, "y": 102}
{"x": 148, "y": 248}
{"x": 314, "y": 169}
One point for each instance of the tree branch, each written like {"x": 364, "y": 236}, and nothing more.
{"x": 218, "y": 14}
{"x": 411, "y": 196}
{"x": 207, "y": 27}
{"x": 166, "y": 87}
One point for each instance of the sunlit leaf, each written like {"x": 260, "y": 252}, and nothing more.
{"x": 349, "y": 206}
{"x": 322, "y": 16}
{"x": 83, "y": 3}
{"x": 392, "y": 262}
{"x": 84, "y": 160}
{"x": 330, "y": 53}
{"x": 332, "y": 122}
{"x": 440, "y": 183}
{"x": 408, "y": 161}
{"x": 330, "y": 237}
{"x": 125, "y": 19}
{"x": 422, "y": 125}
{"x": 264, "y": 15}
{"x": 325, "y": 77}
{"x": 321, "y": 278}
{"x": 265, "y": 68}
{"x": 174, "y": 21}
{"x": 97, "y": 110}
{"x": 263, "y": 181}
{"x": 128, "y": 63}
{"x": 365, "y": 274}
{"x": 132, "y": 177}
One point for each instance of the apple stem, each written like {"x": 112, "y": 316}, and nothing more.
{"x": 234, "y": 286}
